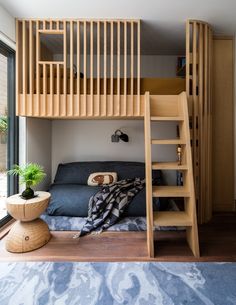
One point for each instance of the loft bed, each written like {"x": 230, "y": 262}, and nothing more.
{"x": 91, "y": 69}
{"x": 64, "y": 70}
{"x": 105, "y": 105}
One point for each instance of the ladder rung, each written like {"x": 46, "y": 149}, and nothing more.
{"x": 170, "y": 191}
{"x": 172, "y": 218}
{"x": 167, "y": 118}
{"x": 170, "y": 141}
{"x": 169, "y": 166}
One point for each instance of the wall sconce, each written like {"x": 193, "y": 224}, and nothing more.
{"x": 119, "y": 135}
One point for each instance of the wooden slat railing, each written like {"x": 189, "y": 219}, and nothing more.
{"x": 198, "y": 88}
{"x": 78, "y": 68}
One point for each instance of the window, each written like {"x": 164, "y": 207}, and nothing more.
{"x": 49, "y": 44}
{"x": 8, "y": 127}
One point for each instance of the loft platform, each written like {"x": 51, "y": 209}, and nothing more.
{"x": 83, "y": 69}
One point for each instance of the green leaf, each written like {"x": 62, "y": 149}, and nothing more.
{"x": 31, "y": 174}
{"x": 3, "y": 124}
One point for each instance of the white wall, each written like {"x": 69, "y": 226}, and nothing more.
{"x": 7, "y": 28}
{"x": 158, "y": 66}
{"x": 38, "y": 146}
{"x": 90, "y": 140}
{"x": 151, "y": 65}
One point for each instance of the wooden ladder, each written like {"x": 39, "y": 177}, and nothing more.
{"x": 170, "y": 108}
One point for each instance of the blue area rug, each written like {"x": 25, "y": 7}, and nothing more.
{"x": 46, "y": 283}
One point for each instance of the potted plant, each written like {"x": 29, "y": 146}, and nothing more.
{"x": 30, "y": 174}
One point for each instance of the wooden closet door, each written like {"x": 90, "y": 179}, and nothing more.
{"x": 223, "y": 124}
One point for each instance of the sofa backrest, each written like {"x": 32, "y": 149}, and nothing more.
{"x": 78, "y": 172}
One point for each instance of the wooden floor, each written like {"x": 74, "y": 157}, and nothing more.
{"x": 217, "y": 243}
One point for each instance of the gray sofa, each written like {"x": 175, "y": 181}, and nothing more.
{"x": 70, "y": 193}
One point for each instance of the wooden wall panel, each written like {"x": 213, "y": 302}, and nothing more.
{"x": 223, "y": 124}
{"x": 199, "y": 91}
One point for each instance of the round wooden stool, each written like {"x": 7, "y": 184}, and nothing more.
{"x": 29, "y": 232}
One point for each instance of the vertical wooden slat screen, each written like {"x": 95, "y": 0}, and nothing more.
{"x": 91, "y": 70}
{"x": 105, "y": 66}
{"x": 64, "y": 113}
{"x": 78, "y": 68}
{"x": 85, "y": 68}
{"x": 111, "y": 67}
{"x": 77, "y": 113}
{"x": 57, "y": 111}
{"x": 31, "y": 66}
{"x": 24, "y": 65}
{"x": 198, "y": 87}
{"x": 118, "y": 69}
{"x": 50, "y": 108}
{"x": 71, "y": 69}
{"x": 125, "y": 68}
{"x": 36, "y": 107}
{"x": 45, "y": 93}
{"x": 132, "y": 67}
{"x": 98, "y": 68}
{"x": 138, "y": 67}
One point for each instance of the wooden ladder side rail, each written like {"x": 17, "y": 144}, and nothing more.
{"x": 148, "y": 171}
{"x": 190, "y": 203}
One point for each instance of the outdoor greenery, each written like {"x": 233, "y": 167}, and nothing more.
{"x": 3, "y": 124}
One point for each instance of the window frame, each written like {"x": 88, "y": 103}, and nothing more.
{"x": 13, "y": 123}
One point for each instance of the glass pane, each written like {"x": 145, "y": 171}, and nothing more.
{"x": 3, "y": 134}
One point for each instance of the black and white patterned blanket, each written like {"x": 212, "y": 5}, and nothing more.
{"x": 107, "y": 206}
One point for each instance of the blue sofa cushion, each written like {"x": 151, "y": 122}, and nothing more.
{"x": 70, "y": 193}
{"x": 73, "y": 199}
{"x": 78, "y": 172}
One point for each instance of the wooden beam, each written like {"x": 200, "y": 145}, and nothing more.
{"x": 111, "y": 68}
{"x": 45, "y": 93}
{"x": 98, "y": 68}
{"x": 125, "y": 68}
{"x": 85, "y": 68}
{"x": 132, "y": 66}
{"x": 118, "y": 66}
{"x": 31, "y": 66}
{"x": 78, "y": 69}
{"x": 105, "y": 66}
{"x": 148, "y": 170}
{"x": 138, "y": 67}
{"x": 65, "y": 69}
{"x": 57, "y": 107}
{"x": 71, "y": 106}
{"x": 91, "y": 69}
{"x": 36, "y": 110}
{"x": 50, "y": 108}
{"x": 18, "y": 70}
{"x": 24, "y": 66}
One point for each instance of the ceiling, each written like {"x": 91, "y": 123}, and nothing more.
{"x": 163, "y": 21}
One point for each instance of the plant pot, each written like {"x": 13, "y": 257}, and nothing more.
{"x": 28, "y": 193}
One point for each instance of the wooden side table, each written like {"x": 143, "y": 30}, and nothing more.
{"x": 29, "y": 232}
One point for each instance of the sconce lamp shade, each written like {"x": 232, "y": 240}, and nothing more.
{"x": 119, "y": 135}
{"x": 124, "y": 137}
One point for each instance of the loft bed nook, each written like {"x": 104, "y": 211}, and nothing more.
{"x": 83, "y": 69}
{"x": 91, "y": 69}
